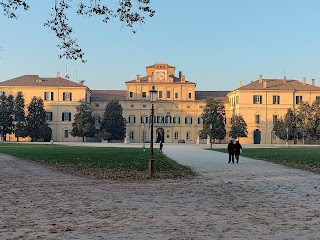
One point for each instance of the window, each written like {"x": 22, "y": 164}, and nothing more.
{"x": 168, "y": 119}
{"x": 276, "y": 99}
{"x": 176, "y": 120}
{"x": 189, "y": 95}
{"x": 144, "y": 106}
{"x": 188, "y": 135}
{"x": 176, "y": 95}
{"x": 160, "y": 119}
{"x": 66, "y": 116}
{"x": 144, "y": 119}
{"x": 19, "y": 93}
{"x": 200, "y": 120}
{"x": 160, "y": 94}
{"x": 97, "y": 105}
{"x": 66, "y": 133}
{"x": 188, "y": 106}
{"x": 274, "y": 118}
{"x": 131, "y": 106}
{"x": 2, "y": 93}
{"x": 273, "y": 135}
{"x": 188, "y": 120}
{"x": 96, "y": 119}
{"x": 132, "y": 119}
{"x": 176, "y": 106}
{"x": 201, "y": 107}
{"x": 257, "y": 99}
{"x": 131, "y": 135}
{"x": 48, "y": 96}
{"x": 48, "y": 116}
{"x": 257, "y": 119}
{"x": 144, "y": 94}
{"x": 67, "y": 96}
{"x": 298, "y": 99}
{"x": 131, "y": 94}
{"x": 168, "y": 94}
{"x": 144, "y": 136}
{"x": 317, "y": 98}
{"x": 176, "y": 135}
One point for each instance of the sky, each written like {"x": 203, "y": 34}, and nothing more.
{"x": 215, "y": 43}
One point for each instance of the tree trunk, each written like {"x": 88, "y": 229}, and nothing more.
{"x": 83, "y": 139}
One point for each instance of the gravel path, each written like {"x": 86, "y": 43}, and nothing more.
{"x": 249, "y": 200}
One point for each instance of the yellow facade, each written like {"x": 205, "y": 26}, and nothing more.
{"x": 178, "y": 108}
{"x": 262, "y": 101}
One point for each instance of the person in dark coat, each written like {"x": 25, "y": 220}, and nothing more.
{"x": 161, "y": 146}
{"x": 231, "y": 151}
{"x": 237, "y": 148}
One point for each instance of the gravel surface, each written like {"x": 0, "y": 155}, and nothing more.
{"x": 249, "y": 200}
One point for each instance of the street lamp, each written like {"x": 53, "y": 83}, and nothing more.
{"x": 153, "y": 98}
{"x": 211, "y": 135}
{"x": 287, "y": 142}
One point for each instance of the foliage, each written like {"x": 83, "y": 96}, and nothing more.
{"x": 99, "y": 162}
{"x": 306, "y": 158}
{"x": 285, "y": 128}
{"x": 128, "y": 12}
{"x": 214, "y": 115}
{"x": 238, "y": 127}
{"x": 113, "y": 122}
{"x": 103, "y": 135}
{"x": 304, "y": 120}
{"x": 20, "y": 128}
{"x": 83, "y": 125}
{"x": 6, "y": 114}
{"x": 36, "y": 121}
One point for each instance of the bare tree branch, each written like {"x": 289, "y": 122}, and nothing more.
{"x": 129, "y": 12}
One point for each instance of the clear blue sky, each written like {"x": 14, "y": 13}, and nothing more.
{"x": 215, "y": 43}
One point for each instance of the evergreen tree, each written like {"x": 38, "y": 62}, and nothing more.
{"x": 238, "y": 127}
{"x": 6, "y": 115}
{"x": 214, "y": 119}
{"x": 305, "y": 120}
{"x": 36, "y": 121}
{"x": 20, "y": 129}
{"x": 113, "y": 122}
{"x": 83, "y": 125}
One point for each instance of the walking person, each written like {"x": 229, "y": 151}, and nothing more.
{"x": 161, "y": 146}
{"x": 237, "y": 148}
{"x": 231, "y": 151}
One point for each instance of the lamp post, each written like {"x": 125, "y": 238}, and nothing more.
{"x": 211, "y": 135}
{"x": 153, "y": 98}
{"x": 287, "y": 142}
{"x": 1, "y": 128}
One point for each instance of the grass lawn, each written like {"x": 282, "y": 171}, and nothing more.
{"x": 98, "y": 162}
{"x": 307, "y": 158}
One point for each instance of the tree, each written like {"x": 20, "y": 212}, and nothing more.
{"x": 128, "y": 12}
{"x": 20, "y": 128}
{"x": 6, "y": 115}
{"x": 238, "y": 127}
{"x": 285, "y": 128}
{"x": 37, "y": 126}
{"x": 83, "y": 125}
{"x": 305, "y": 120}
{"x": 113, "y": 122}
{"x": 214, "y": 119}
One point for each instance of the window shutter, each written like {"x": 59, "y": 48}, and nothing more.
{"x": 185, "y": 120}
{"x": 190, "y": 120}
{"x": 146, "y": 119}
{"x": 141, "y": 120}
{"x": 62, "y": 116}
{"x": 260, "y": 99}
{"x": 254, "y": 99}
{"x": 69, "y": 116}
{"x": 71, "y": 96}
{"x": 179, "y": 119}
{"x": 52, "y": 96}
{"x": 134, "y": 119}
{"x": 64, "y": 96}
{"x": 50, "y": 116}
{"x": 45, "y": 96}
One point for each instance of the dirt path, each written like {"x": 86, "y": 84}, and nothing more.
{"x": 250, "y": 200}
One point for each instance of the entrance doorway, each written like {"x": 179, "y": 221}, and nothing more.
{"x": 160, "y": 135}
{"x": 257, "y": 136}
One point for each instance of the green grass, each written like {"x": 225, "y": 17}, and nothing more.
{"x": 98, "y": 162}
{"x": 307, "y": 158}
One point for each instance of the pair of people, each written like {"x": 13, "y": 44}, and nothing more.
{"x": 234, "y": 151}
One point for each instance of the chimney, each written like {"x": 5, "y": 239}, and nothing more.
{"x": 180, "y": 74}
{"x": 313, "y": 81}
{"x": 264, "y": 84}
{"x": 183, "y": 79}
{"x": 304, "y": 80}
{"x": 138, "y": 78}
{"x": 58, "y": 74}
{"x": 260, "y": 79}
{"x": 240, "y": 84}
{"x": 284, "y": 79}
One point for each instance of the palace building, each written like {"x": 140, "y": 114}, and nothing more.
{"x": 178, "y": 107}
